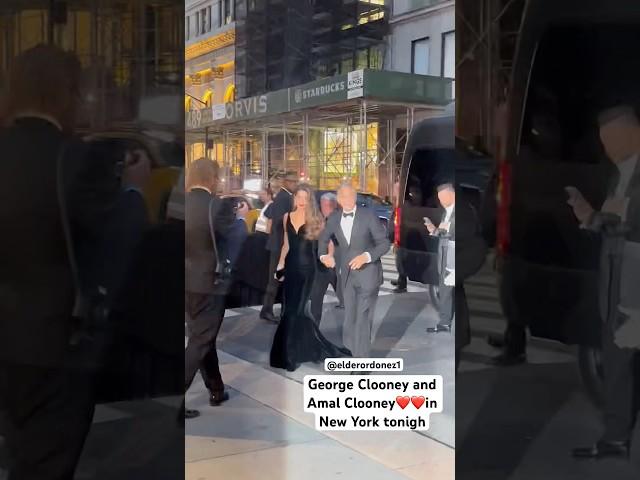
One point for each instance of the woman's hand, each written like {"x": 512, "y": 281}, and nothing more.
{"x": 279, "y": 275}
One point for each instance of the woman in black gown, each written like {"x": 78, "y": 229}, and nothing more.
{"x": 298, "y": 339}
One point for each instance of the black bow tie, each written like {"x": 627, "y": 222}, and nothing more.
{"x": 345, "y": 215}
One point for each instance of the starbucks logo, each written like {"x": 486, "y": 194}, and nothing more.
{"x": 298, "y": 96}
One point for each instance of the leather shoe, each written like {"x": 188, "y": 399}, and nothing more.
{"x": 603, "y": 449}
{"x": 509, "y": 359}
{"x": 340, "y": 306}
{"x": 269, "y": 317}
{"x": 496, "y": 341}
{"x": 439, "y": 328}
{"x": 189, "y": 414}
{"x": 399, "y": 290}
{"x": 394, "y": 283}
{"x": 217, "y": 400}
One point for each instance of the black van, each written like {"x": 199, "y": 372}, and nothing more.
{"x": 573, "y": 58}
{"x": 432, "y": 156}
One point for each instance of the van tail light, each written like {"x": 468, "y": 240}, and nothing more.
{"x": 396, "y": 227}
{"x": 504, "y": 208}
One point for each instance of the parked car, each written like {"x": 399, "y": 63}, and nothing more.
{"x": 548, "y": 265}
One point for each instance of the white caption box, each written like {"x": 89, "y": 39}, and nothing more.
{"x": 373, "y": 402}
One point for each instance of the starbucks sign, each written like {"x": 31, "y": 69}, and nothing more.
{"x": 319, "y": 93}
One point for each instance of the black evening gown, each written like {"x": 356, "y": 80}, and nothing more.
{"x": 298, "y": 339}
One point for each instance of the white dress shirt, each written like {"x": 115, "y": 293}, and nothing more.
{"x": 346, "y": 224}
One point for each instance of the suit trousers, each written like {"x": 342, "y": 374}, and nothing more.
{"x": 272, "y": 284}
{"x": 447, "y": 302}
{"x": 324, "y": 278}
{"x": 49, "y": 414}
{"x": 204, "y": 319}
{"x": 359, "y": 308}
{"x": 620, "y": 387}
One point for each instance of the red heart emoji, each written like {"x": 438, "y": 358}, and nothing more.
{"x": 417, "y": 401}
{"x": 403, "y": 401}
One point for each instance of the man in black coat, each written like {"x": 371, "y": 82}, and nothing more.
{"x": 206, "y": 288}
{"x": 46, "y": 392}
{"x": 617, "y": 223}
{"x": 282, "y": 203}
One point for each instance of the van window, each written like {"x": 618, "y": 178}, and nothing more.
{"x": 577, "y": 71}
{"x": 427, "y": 170}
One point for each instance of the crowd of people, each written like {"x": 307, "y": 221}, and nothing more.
{"x": 310, "y": 245}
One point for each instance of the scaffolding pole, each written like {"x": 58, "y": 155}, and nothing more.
{"x": 264, "y": 170}
{"x": 363, "y": 146}
{"x": 305, "y": 145}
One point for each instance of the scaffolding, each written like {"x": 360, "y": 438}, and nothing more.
{"x": 128, "y": 49}
{"x": 487, "y": 33}
{"x": 347, "y": 128}
{"x": 282, "y": 43}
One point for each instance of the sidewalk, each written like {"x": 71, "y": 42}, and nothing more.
{"x": 263, "y": 433}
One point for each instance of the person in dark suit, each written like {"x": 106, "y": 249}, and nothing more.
{"x": 617, "y": 222}
{"x": 446, "y": 229}
{"x": 324, "y": 276}
{"x": 361, "y": 241}
{"x": 282, "y": 204}
{"x": 206, "y": 227}
{"x": 51, "y": 193}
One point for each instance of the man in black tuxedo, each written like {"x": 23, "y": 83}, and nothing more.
{"x": 446, "y": 229}
{"x": 206, "y": 226}
{"x": 282, "y": 203}
{"x": 45, "y": 391}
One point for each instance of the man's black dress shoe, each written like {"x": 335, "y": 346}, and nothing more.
{"x": 604, "y": 449}
{"x": 439, "y": 328}
{"x": 394, "y": 283}
{"x": 340, "y": 306}
{"x": 399, "y": 290}
{"x": 269, "y": 317}
{"x": 508, "y": 359}
{"x": 496, "y": 341}
{"x": 217, "y": 400}
{"x": 189, "y": 414}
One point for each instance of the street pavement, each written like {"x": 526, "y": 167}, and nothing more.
{"x": 521, "y": 422}
{"x": 263, "y": 433}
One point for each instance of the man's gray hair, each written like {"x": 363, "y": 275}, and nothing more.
{"x": 346, "y": 185}
{"x": 330, "y": 196}
{"x": 445, "y": 186}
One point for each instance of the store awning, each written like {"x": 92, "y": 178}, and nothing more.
{"x": 341, "y": 91}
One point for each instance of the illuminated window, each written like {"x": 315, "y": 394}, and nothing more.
{"x": 230, "y": 94}
{"x": 207, "y": 97}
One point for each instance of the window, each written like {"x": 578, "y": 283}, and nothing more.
{"x": 227, "y": 12}
{"x": 197, "y": 29}
{"x": 362, "y": 59}
{"x": 449, "y": 55}
{"x": 209, "y": 24}
{"x": 203, "y": 19}
{"x": 420, "y": 56}
{"x": 187, "y": 25}
{"x": 216, "y": 19}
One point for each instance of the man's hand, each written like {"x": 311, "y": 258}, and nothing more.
{"x": 328, "y": 261}
{"x": 359, "y": 261}
{"x": 581, "y": 208}
{"x": 444, "y": 226}
{"x": 137, "y": 170}
{"x": 430, "y": 226}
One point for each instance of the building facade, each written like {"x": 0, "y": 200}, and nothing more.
{"x": 128, "y": 50}
{"x": 210, "y": 35}
{"x": 422, "y": 39}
